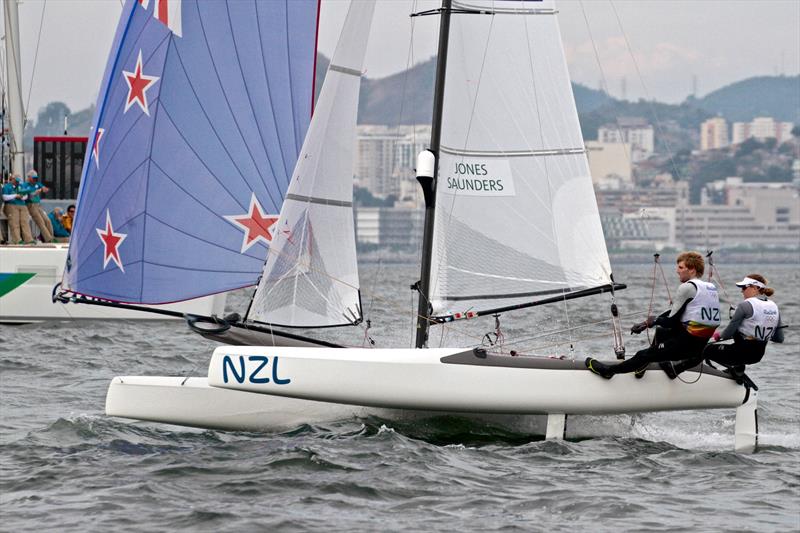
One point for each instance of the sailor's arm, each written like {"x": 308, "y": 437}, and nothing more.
{"x": 778, "y": 335}
{"x": 672, "y": 318}
{"x": 743, "y": 310}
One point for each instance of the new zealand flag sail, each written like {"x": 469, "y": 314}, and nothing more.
{"x": 202, "y": 112}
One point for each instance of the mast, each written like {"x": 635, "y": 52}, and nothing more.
{"x": 14, "y": 84}
{"x": 428, "y": 183}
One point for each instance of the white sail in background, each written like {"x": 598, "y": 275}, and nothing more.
{"x": 516, "y": 216}
{"x": 311, "y": 274}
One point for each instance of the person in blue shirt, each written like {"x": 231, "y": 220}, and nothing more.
{"x": 59, "y": 231}
{"x": 14, "y": 194}
{"x": 35, "y": 210}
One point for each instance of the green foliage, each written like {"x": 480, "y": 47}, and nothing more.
{"x": 362, "y": 197}
{"x": 763, "y": 96}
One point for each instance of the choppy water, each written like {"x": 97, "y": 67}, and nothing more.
{"x": 66, "y": 467}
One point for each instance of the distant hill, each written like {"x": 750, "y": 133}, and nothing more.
{"x": 763, "y": 96}
{"x": 407, "y": 97}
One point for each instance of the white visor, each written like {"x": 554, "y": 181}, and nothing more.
{"x": 750, "y": 281}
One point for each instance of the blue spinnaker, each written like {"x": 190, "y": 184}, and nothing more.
{"x": 202, "y": 112}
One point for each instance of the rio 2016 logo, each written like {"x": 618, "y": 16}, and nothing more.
{"x": 259, "y": 375}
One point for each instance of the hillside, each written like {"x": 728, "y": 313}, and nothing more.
{"x": 407, "y": 97}
{"x": 763, "y": 96}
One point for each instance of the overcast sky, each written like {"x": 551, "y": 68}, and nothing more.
{"x": 673, "y": 41}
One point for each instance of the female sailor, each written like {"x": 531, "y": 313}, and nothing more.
{"x": 755, "y": 322}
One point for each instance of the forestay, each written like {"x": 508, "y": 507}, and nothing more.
{"x": 516, "y": 217}
{"x": 201, "y": 115}
{"x": 311, "y": 274}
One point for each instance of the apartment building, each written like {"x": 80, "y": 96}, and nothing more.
{"x": 714, "y": 134}
{"x": 761, "y": 128}
{"x": 635, "y": 131}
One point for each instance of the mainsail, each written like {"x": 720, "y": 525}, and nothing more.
{"x": 311, "y": 274}
{"x": 516, "y": 217}
{"x": 203, "y": 109}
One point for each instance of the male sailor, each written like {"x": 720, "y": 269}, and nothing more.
{"x": 682, "y": 331}
{"x": 34, "y": 205}
{"x": 14, "y": 195}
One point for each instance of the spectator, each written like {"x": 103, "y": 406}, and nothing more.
{"x": 69, "y": 218}
{"x": 59, "y": 231}
{"x": 35, "y": 190}
{"x": 14, "y": 194}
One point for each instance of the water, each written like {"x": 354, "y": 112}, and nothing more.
{"x": 67, "y": 467}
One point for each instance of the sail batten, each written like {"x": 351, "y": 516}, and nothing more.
{"x": 516, "y": 216}
{"x": 199, "y": 124}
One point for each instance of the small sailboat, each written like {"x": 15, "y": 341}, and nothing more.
{"x": 28, "y": 273}
{"x": 511, "y": 222}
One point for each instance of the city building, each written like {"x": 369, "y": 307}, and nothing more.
{"x": 634, "y": 131}
{"x": 761, "y": 128}
{"x": 714, "y": 134}
{"x": 609, "y": 163}
{"x": 375, "y": 147}
{"x": 712, "y": 227}
{"x": 769, "y": 203}
{"x": 633, "y": 199}
{"x": 387, "y": 156}
{"x": 398, "y": 228}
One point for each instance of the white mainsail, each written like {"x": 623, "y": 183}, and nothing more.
{"x": 311, "y": 274}
{"x": 516, "y": 217}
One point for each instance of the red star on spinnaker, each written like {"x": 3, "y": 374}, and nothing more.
{"x": 138, "y": 83}
{"x": 255, "y": 224}
{"x": 111, "y": 242}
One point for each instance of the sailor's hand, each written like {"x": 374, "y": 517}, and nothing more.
{"x": 641, "y": 326}
{"x": 715, "y": 336}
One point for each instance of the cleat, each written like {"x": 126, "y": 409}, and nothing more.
{"x": 640, "y": 373}
{"x": 596, "y": 367}
{"x": 668, "y": 369}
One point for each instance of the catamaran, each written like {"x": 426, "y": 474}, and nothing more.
{"x": 511, "y": 220}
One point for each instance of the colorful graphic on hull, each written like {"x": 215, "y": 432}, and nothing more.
{"x": 9, "y": 282}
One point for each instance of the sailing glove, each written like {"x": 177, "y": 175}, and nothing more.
{"x": 641, "y": 326}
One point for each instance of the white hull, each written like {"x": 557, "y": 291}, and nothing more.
{"x": 191, "y": 402}
{"x": 319, "y": 385}
{"x": 32, "y": 301}
{"x": 457, "y": 380}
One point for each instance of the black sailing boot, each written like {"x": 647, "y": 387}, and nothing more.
{"x": 599, "y": 368}
{"x": 668, "y": 369}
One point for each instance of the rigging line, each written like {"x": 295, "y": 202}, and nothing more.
{"x": 563, "y": 330}
{"x": 646, "y": 91}
{"x": 628, "y": 156}
{"x": 35, "y": 57}
{"x": 453, "y": 327}
{"x": 374, "y": 283}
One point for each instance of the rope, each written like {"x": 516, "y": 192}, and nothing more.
{"x": 649, "y": 100}
{"x": 628, "y": 157}
{"x": 35, "y": 57}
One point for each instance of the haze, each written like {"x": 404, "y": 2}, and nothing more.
{"x": 678, "y": 45}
